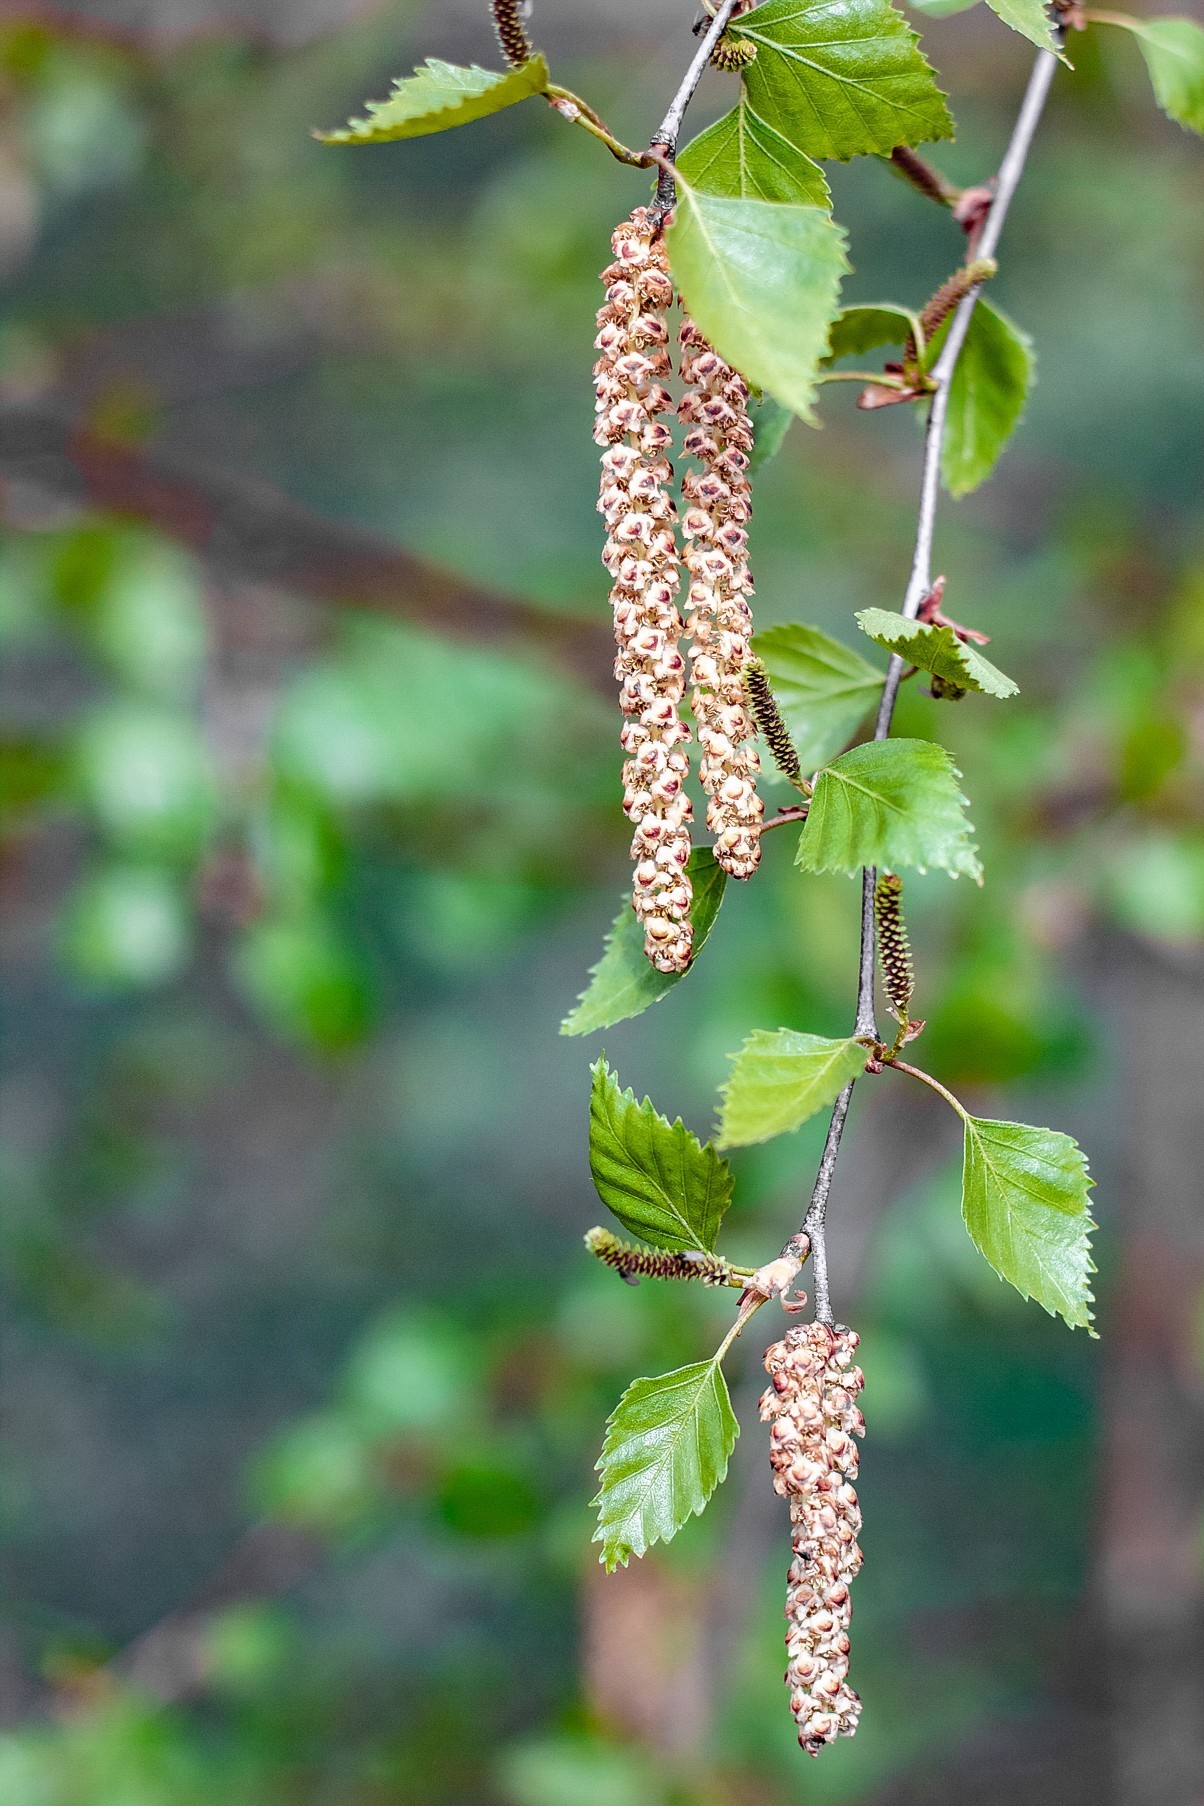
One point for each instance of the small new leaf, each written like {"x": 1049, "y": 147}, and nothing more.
{"x": 1024, "y": 1199}
{"x": 1174, "y": 53}
{"x": 761, "y": 280}
{"x": 780, "y": 1078}
{"x": 667, "y": 1446}
{"x": 891, "y": 803}
{"x": 623, "y": 983}
{"x": 662, "y": 1183}
{"x": 823, "y": 689}
{"x": 743, "y": 156}
{"x": 987, "y": 395}
{"x": 856, "y": 330}
{"x": 840, "y": 81}
{"x": 935, "y": 649}
{"x": 770, "y": 424}
{"x": 1030, "y": 18}
{"x": 438, "y": 96}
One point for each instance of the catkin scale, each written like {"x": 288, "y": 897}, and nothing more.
{"x": 718, "y": 505}
{"x": 809, "y": 1406}
{"x": 642, "y": 557}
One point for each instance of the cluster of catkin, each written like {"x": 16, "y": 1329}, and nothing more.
{"x": 644, "y": 561}
{"x": 813, "y": 1417}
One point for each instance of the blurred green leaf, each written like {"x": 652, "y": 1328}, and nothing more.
{"x": 1030, "y": 18}
{"x": 864, "y": 88}
{"x": 127, "y": 927}
{"x": 770, "y": 424}
{"x": 743, "y": 156}
{"x": 780, "y": 1078}
{"x": 823, "y": 689}
{"x": 666, "y": 1449}
{"x": 438, "y": 96}
{"x": 761, "y": 281}
{"x": 305, "y": 981}
{"x": 486, "y": 1499}
{"x": 624, "y": 982}
{"x": 148, "y": 620}
{"x": 319, "y": 1473}
{"x": 574, "y": 1771}
{"x": 987, "y": 397}
{"x": 411, "y": 1374}
{"x": 892, "y": 803}
{"x": 935, "y": 649}
{"x": 1024, "y": 1198}
{"x": 856, "y": 330}
{"x": 657, "y": 1178}
{"x": 1174, "y": 53}
{"x": 146, "y": 777}
{"x": 1155, "y": 884}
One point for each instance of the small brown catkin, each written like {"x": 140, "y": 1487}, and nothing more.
{"x": 512, "y": 33}
{"x": 718, "y": 501}
{"x": 768, "y": 717}
{"x": 633, "y": 1264}
{"x": 642, "y": 557}
{"x": 813, "y": 1418}
{"x": 894, "y": 948}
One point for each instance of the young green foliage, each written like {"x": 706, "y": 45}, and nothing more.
{"x": 624, "y": 983}
{"x": 742, "y": 155}
{"x": 856, "y": 330}
{"x": 760, "y": 281}
{"x": 889, "y": 802}
{"x": 841, "y": 84}
{"x": 935, "y": 649}
{"x": 667, "y": 1446}
{"x": 1030, "y": 18}
{"x": 823, "y": 688}
{"x": 987, "y": 396}
{"x": 770, "y": 424}
{"x": 658, "y": 1179}
{"x": 779, "y": 1078}
{"x": 1024, "y": 1199}
{"x": 438, "y": 96}
{"x": 1174, "y": 53}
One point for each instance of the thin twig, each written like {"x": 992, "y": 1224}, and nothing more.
{"x": 919, "y": 586}
{"x": 669, "y": 129}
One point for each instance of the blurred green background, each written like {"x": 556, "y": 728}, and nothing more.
{"x": 310, "y": 834}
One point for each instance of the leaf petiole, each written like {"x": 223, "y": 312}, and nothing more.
{"x": 926, "y": 1078}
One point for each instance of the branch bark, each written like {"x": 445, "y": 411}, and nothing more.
{"x": 919, "y": 584}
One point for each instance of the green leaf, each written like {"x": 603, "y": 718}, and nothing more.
{"x": 623, "y": 983}
{"x": 841, "y": 80}
{"x": 892, "y": 803}
{"x": 780, "y": 1078}
{"x": 1030, "y": 18}
{"x": 1024, "y": 1198}
{"x": 823, "y": 689}
{"x": 1174, "y": 53}
{"x": 941, "y": 9}
{"x": 438, "y": 96}
{"x": 856, "y": 330}
{"x": 986, "y": 397}
{"x": 655, "y": 1176}
{"x": 761, "y": 280}
{"x": 667, "y": 1447}
{"x": 770, "y": 424}
{"x": 935, "y": 649}
{"x": 742, "y": 155}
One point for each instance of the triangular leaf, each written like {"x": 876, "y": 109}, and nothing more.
{"x": 986, "y": 397}
{"x": 438, "y": 96}
{"x": 856, "y": 330}
{"x": 824, "y": 689}
{"x": 935, "y": 649}
{"x": 667, "y": 1446}
{"x": 892, "y": 803}
{"x": 742, "y": 155}
{"x": 780, "y": 1078}
{"x": 659, "y": 1180}
{"x": 761, "y": 280}
{"x": 840, "y": 80}
{"x": 1030, "y": 18}
{"x": 1024, "y": 1198}
{"x": 623, "y": 983}
{"x": 1174, "y": 53}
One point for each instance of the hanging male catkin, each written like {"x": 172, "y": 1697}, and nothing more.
{"x": 894, "y": 948}
{"x": 718, "y": 501}
{"x": 813, "y": 1419}
{"x": 642, "y": 557}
